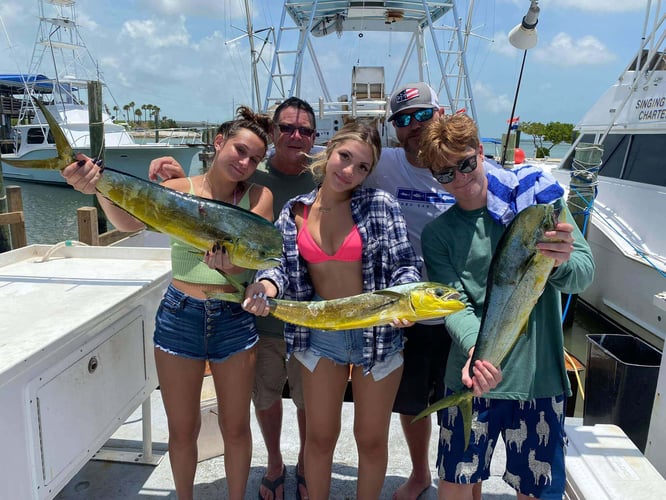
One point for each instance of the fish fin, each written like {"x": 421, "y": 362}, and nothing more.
{"x": 389, "y": 293}
{"x": 456, "y": 399}
{"x": 235, "y": 297}
{"x": 233, "y": 281}
{"x": 466, "y": 412}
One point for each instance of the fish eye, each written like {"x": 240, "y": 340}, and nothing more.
{"x": 439, "y": 292}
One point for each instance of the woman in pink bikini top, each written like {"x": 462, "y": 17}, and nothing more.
{"x": 340, "y": 240}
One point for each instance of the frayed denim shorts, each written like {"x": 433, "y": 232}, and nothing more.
{"x": 345, "y": 347}
{"x": 209, "y": 329}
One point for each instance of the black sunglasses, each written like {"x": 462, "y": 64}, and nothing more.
{"x": 465, "y": 166}
{"x": 422, "y": 115}
{"x": 290, "y": 129}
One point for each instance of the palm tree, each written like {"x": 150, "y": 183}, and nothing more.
{"x": 115, "y": 111}
{"x": 126, "y": 108}
{"x": 137, "y": 113}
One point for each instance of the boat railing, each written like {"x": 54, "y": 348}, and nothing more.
{"x": 174, "y": 135}
{"x": 354, "y": 108}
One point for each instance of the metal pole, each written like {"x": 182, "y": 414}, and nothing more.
{"x": 513, "y": 110}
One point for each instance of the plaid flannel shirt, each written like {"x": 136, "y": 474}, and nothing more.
{"x": 388, "y": 259}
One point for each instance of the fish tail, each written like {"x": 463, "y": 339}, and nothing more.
{"x": 65, "y": 152}
{"x": 462, "y": 400}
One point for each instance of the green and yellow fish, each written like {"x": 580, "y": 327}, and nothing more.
{"x": 412, "y": 301}
{"x": 517, "y": 276}
{"x": 250, "y": 240}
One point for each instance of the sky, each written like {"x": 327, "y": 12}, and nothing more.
{"x": 190, "y": 58}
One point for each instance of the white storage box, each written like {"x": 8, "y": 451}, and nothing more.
{"x": 76, "y": 356}
{"x": 603, "y": 463}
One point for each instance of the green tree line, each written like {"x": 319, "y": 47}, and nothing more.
{"x": 553, "y": 132}
{"x": 143, "y": 116}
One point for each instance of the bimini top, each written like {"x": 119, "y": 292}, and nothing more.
{"x": 330, "y": 16}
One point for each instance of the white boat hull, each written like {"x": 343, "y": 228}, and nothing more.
{"x": 629, "y": 256}
{"x": 131, "y": 159}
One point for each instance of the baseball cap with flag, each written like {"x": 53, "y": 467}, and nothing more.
{"x": 413, "y": 96}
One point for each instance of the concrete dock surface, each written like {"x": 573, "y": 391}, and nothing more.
{"x": 107, "y": 480}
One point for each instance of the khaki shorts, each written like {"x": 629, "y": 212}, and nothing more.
{"x": 272, "y": 371}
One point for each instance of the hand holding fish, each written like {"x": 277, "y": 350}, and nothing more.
{"x": 486, "y": 376}
{"x": 559, "y": 244}
{"x": 83, "y": 174}
{"x": 165, "y": 168}
{"x": 218, "y": 258}
{"x": 256, "y": 297}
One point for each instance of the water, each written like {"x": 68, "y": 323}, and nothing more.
{"x": 50, "y": 211}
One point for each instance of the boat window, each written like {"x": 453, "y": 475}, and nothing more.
{"x": 35, "y": 135}
{"x": 645, "y": 162}
{"x": 615, "y": 148}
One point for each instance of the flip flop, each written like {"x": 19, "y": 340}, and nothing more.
{"x": 300, "y": 480}
{"x": 275, "y": 484}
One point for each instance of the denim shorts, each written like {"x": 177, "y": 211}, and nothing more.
{"x": 199, "y": 329}
{"x": 345, "y": 347}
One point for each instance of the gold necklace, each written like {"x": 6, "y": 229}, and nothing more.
{"x": 207, "y": 181}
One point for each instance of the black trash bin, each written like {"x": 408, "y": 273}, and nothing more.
{"x": 620, "y": 384}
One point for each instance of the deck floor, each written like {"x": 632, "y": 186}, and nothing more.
{"x": 103, "y": 480}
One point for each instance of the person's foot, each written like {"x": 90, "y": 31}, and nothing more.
{"x": 272, "y": 486}
{"x": 301, "y": 487}
{"x": 412, "y": 488}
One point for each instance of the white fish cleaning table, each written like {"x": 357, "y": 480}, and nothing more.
{"x": 76, "y": 356}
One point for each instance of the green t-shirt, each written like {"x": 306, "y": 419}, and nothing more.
{"x": 457, "y": 249}
{"x": 284, "y": 187}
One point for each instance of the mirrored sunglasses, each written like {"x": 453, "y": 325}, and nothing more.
{"x": 422, "y": 115}
{"x": 464, "y": 166}
{"x": 290, "y": 129}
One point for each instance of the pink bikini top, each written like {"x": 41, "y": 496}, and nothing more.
{"x": 350, "y": 250}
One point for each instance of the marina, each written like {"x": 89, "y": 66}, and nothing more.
{"x": 62, "y": 76}
{"x": 627, "y": 300}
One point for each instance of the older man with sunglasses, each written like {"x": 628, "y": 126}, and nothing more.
{"x": 413, "y": 107}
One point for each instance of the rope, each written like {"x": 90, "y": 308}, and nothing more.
{"x": 58, "y": 246}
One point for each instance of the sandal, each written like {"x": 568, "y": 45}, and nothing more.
{"x": 300, "y": 480}
{"x": 275, "y": 484}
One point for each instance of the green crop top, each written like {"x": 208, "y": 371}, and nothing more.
{"x": 187, "y": 264}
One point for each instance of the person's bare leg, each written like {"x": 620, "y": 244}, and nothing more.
{"x": 453, "y": 491}
{"x": 417, "y": 436}
{"x": 270, "y": 423}
{"x": 373, "y": 401}
{"x": 233, "y": 379}
{"x": 323, "y": 390}
{"x": 300, "y": 416}
{"x": 180, "y": 382}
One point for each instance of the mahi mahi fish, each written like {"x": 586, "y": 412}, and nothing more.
{"x": 250, "y": 240}
{"x": 411, "y": 301}
{"x": 516, "y": 278}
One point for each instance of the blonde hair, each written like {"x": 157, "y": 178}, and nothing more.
{"x": 354, "y": 131}
{"x": 445, "y": 137}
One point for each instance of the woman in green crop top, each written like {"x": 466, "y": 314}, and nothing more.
{"x": 190, "y": 328}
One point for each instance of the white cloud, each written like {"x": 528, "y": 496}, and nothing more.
{"x": 604, "y": 6}
{"x": 205, "y": 8}
{"x": 487, "y": 100}
{"x": 565, "y": 51}
{"x": 157, "y": 33}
